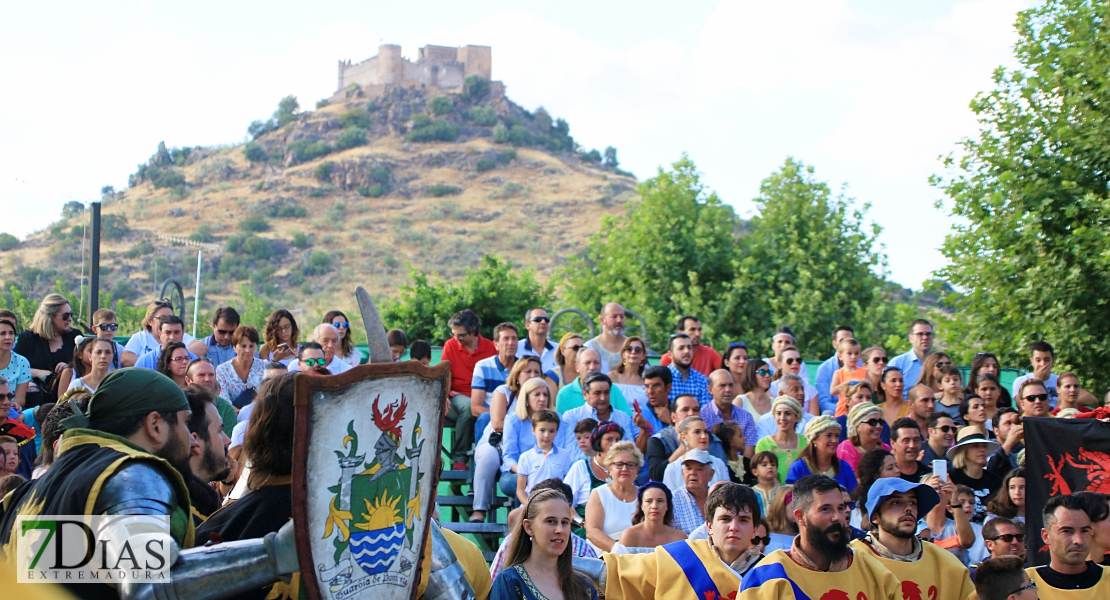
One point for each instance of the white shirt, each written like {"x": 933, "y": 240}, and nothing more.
{"x": 547, "y": 357}
{"x": 672, "y": 475}
{"x": 335, "y": 367}
{"x": 765, "y": 425}
{"x": 144, "y": 341}
{"x": 538, "y": 466}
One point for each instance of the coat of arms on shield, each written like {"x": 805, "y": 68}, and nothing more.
{"x": 365, "y": 468}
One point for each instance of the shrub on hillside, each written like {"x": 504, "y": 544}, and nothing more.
{"x": 482, "y": 115}
{"x": 520, "y": 136}
{"x": 592, "y": 156}
{"x": 501, "y": 133}
{"x": 304, "y": 150}
{"x": 440, "y": 105}
{"x": 506, "y": 156}
{"x": 203, "y": 234}
{"x": 323, "y": 170}
{"x": 254, "y": 152}
{"x": 141, "y": 248}
{"x": 486, "y": 164}
{"x": 113, "y": 227}
{"x": 476, "y": 87}
{"x": 355, "y": 117}
{"x": 165, "y": 178}
{"x": 321, "y": 103}
{"x": 292, "y": 211}
{"x": 319, "y": 262}
{"x": 380, "y": 174}
{"x": 351, "y": 137}
{"x": 437, "y": 130}
{"x": 300, "y": 240}
{"x": 440, "y": 190}
{"x": 254, "y": 224}
{"x": 287, "y": 109}
{"x": 373, "y": 191}
{"x": 8, "y": 242}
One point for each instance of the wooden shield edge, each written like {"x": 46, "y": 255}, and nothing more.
{"x": 304, "y": 386}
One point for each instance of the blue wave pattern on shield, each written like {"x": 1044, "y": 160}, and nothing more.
{"x": 375, "y": 551}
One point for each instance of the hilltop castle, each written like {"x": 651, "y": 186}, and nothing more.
{"x": 437, "y": 66}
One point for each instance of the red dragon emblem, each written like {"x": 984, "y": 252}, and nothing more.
{"x": 835, "y": 595}
{"x": 1095, "y": 464}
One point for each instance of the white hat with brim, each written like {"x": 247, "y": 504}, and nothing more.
{"x": 971, "y": 435}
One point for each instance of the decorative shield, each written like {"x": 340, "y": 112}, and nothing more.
{"x": 366, "y": 462}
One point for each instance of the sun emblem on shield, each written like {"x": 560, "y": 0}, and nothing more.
{"x": 370, "y": 517}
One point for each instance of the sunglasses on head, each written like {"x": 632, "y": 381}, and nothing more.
{"x": 540, "y": 319}
{"x": 314, "y": 362}
{"x": 737, "y": 345}
{"x": 163, "y": 303}
{"x": 107, "y": 326}
{"x": 342, "y": 324}
{"x": 1037, "y": 398}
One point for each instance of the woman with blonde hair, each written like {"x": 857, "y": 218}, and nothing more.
{"x": 629, "y": 375}
{"x": 611, "y": 506}
{"x": 538, "y": 563}
{"x": 144, "y": 340}
{"x": 48, "y": 347}
{"x": 565, "y": 356}
{"x": 490, "y": 453}
{"x": 780, "y": 521}
{"x": 504, "y": 397}
{"x": 280, "y": 338}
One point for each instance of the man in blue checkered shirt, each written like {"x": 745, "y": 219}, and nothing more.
{"x": 722, "y": 388}
{"x": 689, "y": 500}
{"x": 686, "y": 380}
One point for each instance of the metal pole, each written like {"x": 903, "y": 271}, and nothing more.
{"x": 94, "y": 264}
{"x": 196, "y": 295}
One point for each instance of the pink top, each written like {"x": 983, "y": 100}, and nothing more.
{"x": 848, "y": 452}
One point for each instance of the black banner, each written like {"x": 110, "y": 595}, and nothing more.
{"x": 1062, "y": 456}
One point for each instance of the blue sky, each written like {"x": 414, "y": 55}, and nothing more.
{"x": 868, "y": 92}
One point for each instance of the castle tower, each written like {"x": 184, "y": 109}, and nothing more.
{"x": 390, "y": 67}
{"x": 478, "y": 61}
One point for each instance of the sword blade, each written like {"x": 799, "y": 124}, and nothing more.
{"x": 375, "y": 330}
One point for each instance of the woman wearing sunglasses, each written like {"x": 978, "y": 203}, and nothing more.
{"x": 48, "y": 346}
{"x": 565, "y": 355}
{"x": 792, "y": 364}
{"x": 757, "y": 381}
{"x": 865, "y": 428}
{"x": 347, "y": 351}
{"x": 874, "y": 361}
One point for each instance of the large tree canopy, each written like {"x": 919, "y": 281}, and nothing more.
{"x": 1032, "y": 245}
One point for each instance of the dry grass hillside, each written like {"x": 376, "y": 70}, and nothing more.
{"x": 303, "y": 230}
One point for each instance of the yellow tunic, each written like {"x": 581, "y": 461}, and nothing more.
{"x": 778, "y": 577}
{"x": 470, "y": 559}
{"x": 937, "y": 575}
{"x": 657, "y": 575}
{"x": 1101, "y": 589}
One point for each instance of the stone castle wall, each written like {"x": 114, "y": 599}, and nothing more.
{"x": 443, "y": 67}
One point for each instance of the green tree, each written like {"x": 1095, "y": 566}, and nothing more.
{"x": 8, "y": 242}
{"x": 476, "y": 87}
{"x": 495, "y": 290}
{"x": 254, "y": 152}
{"x": 808, "y": 262}
{"x": 1031, "y": 197}
{"x": 667, "y": 257}
{"x": 287, "y": 110}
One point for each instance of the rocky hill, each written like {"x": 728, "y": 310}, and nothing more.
{"x": 346, "y": 194}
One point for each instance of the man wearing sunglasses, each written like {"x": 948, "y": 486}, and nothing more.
{"x": 311, "y": 360}
{"x": 1003, "y": 537}
{"x": 942, "y": 434}
{"x": 1034, "y": 399}
{"x": 706, "y": 360}
{"x": 537, "y": 323}
{"x": 910, "y": 363}
{"x": 224, "y": 324}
